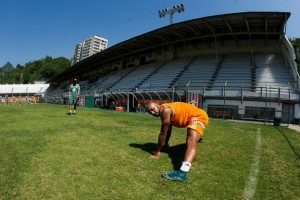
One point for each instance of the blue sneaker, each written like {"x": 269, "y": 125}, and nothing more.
{"x": 176, "y": 176}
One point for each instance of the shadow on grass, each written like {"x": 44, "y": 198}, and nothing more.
{"x": 175, "y": 153}
{"x": 289, "y": 143}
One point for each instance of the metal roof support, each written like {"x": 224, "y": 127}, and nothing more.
{"x": 173, "y": 93}
{"x": 216, "y": 48}
{"x": 230, "y": 29}
{"x": 167, "y": 95}
{"x": 149, "y": 95}
{"x": 141, "y": 95}
{"x": 109, "y": 95}
{"x": 106, "y": 98}
{"x": 209, "y": 27}
{"x": 193, "y": 30}
{"x": 248, "y": 28}
{"x": 266, "y": 28}
{"x": 120, "y": 93}
{"x": 157, "y": 94}
{"x": 133, "y": 95}
{"x": 115, "y": 95}
{"x": 159, "y": 36}
{"x": 127, "y": 102}
{"x": 176, "y": 33}
{"x": 184, "y": 52}
{"x": 128, "y": 99}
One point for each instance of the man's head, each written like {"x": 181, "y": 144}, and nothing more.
{"x": 153, "y": 109}
{"x": 74, "y": 81}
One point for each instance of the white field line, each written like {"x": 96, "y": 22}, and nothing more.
{"x": 250, "y": 186}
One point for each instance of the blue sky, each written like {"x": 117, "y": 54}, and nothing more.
{"x": 32, "y": 29}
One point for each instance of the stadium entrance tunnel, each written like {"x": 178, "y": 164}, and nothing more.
{"x": 134, "y": 101}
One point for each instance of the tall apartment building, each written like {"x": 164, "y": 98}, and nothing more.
{"x": 89, "y": 47}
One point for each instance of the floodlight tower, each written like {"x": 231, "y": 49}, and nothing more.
{"x": 178, "y": 8}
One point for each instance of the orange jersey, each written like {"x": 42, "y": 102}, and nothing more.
{"x": 187, "y": 115}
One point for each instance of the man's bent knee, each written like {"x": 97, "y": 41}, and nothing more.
{"x": 193, "y": 136}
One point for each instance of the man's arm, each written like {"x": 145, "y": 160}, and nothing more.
{"x": 69, "y": 94}
{"x": 78, "y": 94}
{"x": 164, "y": 130}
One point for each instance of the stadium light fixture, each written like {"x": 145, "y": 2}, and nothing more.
{"x": 177, "y": 8}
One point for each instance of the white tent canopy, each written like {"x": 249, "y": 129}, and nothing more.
{"x": 29, "y": 89}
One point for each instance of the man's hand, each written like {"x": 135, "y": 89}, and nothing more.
{"x": 155, "y": 155}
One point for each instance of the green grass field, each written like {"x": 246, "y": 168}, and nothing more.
{"x": 101, "y": 154}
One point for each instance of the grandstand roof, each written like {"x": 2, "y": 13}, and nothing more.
{"x": 236, "y": 26}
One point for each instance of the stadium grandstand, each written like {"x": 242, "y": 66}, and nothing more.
{"x": 237, "y": 66}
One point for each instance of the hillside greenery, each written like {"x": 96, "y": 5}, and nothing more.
{"x": 39, "y": 70}
{"x": 8, "y": 67}
{"x": 296, "y": 44}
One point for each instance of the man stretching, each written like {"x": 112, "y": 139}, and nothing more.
{"x": 74, "y": 93}
{"x": 180, "y": 115}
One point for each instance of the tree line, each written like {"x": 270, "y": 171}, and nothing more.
{"x": 39, "y": 70}
{"x": 296, "y": 44}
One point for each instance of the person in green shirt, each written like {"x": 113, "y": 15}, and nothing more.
{"x": 74, "y": 93}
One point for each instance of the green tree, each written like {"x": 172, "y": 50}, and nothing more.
{"x": 40, "y": 70}
{"x": 296, "y": 44}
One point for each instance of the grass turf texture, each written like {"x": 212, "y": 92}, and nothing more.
{"x": 101, "y": 154}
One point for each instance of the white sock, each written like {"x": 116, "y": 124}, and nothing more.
{"x": 185, "y": 166}
{"x": 70, "y": 111}
{"x": 74, "y": 111}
